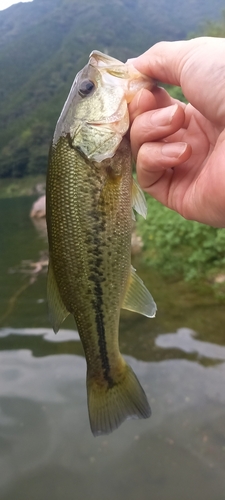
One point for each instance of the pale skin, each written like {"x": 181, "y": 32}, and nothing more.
{"x": 180, "y": 149}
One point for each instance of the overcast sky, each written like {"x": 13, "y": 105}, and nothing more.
{"x": 6, "y": 3}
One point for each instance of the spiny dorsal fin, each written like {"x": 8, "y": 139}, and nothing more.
{"x": 57, "y": 310}
{"x": 138, "y": 200}
{"x": 138, "y": 298}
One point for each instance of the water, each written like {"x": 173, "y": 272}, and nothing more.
{"x": 46, "y": 448}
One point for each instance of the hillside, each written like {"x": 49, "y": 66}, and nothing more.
{"x": 44, "y": 43}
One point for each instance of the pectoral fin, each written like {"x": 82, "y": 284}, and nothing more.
{"x": 138, "y": 200}
{"x": 57, "y": 310}
{"x": 138, "y": 298}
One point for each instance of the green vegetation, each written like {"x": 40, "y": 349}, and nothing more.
{"x": 44, "y": 43}
{"x": 42, "y": 46}
{"x": 25, "y": 186}
{"x": 210, "y": 28}
{"x": 180, "y": 248}
{"x": 176, "y": 92}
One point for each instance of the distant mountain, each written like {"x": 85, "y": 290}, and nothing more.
{"x": 44, "y": 43}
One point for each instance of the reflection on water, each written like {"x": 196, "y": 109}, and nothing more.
{"x": 46, "y": 448}
{"x": 184, "y": 339}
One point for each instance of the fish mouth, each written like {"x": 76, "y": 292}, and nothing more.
{"x": 100, "y": 59}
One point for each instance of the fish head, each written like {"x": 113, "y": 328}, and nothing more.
{"x": 95, "y": 116}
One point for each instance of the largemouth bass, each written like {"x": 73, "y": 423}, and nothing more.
{"x": 90, "y": 194}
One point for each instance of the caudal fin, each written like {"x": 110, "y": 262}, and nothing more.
{"x": 110, "y": 404}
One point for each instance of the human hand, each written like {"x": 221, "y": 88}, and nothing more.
{"x": 180, "y": 149}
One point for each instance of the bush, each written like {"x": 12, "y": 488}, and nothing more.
{"x": 180, "y": 248}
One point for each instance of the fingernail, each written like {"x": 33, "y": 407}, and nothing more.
{"x": 174, "y": 150}
{"x": 163, "y": 116}
{"x": 131, "y": 60}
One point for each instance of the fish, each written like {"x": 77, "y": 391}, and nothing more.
{"x": 90, "y": 197}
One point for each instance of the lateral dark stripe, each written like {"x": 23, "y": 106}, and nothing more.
{"x": 97, "y": 277}
{"x": 99, "y": 319}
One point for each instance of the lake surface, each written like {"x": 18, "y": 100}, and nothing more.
{"x": 46, "y": 448}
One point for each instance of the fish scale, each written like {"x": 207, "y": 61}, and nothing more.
{"x": 69, "y": 250}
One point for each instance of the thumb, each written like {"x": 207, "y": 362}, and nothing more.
{"x": 163, "y": 61}
{"x": 197, "y": 66}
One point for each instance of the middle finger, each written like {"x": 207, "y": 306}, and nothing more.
{"x": 155, "y": 125}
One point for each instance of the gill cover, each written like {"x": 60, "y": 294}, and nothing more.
{"x": 95, "y": 116}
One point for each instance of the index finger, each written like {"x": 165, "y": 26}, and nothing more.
{"x": 146, "y": 100}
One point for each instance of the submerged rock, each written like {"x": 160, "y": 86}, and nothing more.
{"x": 38, "y": 209}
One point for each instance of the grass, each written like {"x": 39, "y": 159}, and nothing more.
{"x": 27, "y": 186}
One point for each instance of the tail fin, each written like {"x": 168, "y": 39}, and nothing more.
{"x": 110, "y": 405}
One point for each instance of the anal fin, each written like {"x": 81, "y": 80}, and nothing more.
{"x": 57, "y": 310}
{"x": 138, "y": 298}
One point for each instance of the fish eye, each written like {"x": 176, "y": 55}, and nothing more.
{"x": 86, "y": 88}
